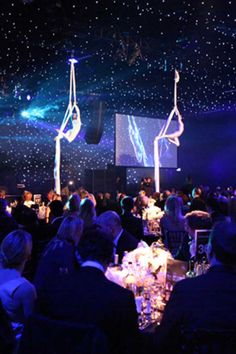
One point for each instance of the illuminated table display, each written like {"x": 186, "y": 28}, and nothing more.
{"x": 144, "y": 272}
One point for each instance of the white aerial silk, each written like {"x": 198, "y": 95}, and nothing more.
{"x": 172, "y": 137}
{"x": 73, "y": 114}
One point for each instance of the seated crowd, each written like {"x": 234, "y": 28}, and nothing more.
{"x": 53, "y": 259}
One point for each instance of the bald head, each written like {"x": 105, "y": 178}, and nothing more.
{"x": 110, "y": 221}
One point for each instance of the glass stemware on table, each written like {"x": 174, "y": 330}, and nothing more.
{"x": 143, "y": 271}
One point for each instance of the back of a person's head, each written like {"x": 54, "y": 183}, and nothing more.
{"x": 74, "y": 203}
{"x": 15, "y": 249}
{"x": 198, "y": 220}
{"x": 96, "y": 245}
{"x": 83, "y": 193}
{"x": 213, "y": 203}
{"x": 156, "y": 196}
{"x": 71, "y": 229}
{"x": 109, "y": 218}
{"x": 223, "y": 242}
{"x": 28, "y": 216}
{"x": 127, "y": 203}
{"x": 165, "y": 194}
{"x": 173, "y": 206}
{"x": 87, "y": 208}
{"x": 56, "y": 208}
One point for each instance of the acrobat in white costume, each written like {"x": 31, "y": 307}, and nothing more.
{"x": 72, "y": 113}
{"x": 173, "y": 137}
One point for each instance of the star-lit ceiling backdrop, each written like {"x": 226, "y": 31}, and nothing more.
{"x": 127, "y": 53}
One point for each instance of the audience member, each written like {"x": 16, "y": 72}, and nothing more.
{"x": 56, "y": 213}
{"x": 147, "y": 186}
{"x": 195, "y": 220}
{"x": 7, "y": 339}
{"x": 151, "y": 212}
{"x": 87, "y": 212}
{"x": 207, "y": 301}
{"x": 59, "y": 257}
{"x": 100, "y": 204}
{"x": 27, "y": 199}
{"x": 214, "y": 208}
{"x": 122, "y": 240}
{"x": 7, "y": 222}
{"x": 197, "y": 202}
{"x": 173, "y": 219}
{"x": 141, "y": 202}
{"x": 50, "y": 196}
{"x": 188, "y": 186}
{"x": 2, "y": 193}
{"x": 129, "y": 222}
{"x": 17, "y": 294}
{"x": 73, "y": 204}
{"x": 87, "y": 296}
{"x": 163, "y": 198}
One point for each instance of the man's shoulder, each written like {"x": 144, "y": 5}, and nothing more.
{"x": 26, "y": 289}
{"x": 119, "y": 296}
{"x": 190, "y": 283}
{"x": 127, "y": 235}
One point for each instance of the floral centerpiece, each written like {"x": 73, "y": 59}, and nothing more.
{"x": 147, "y": 265}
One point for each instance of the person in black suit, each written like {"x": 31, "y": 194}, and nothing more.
{"x": 7, "y": 339}
{"x": 207, "y": 301}
{"x": 88, "y": 297}
{"x": 129, "y": 222}
{"x": 122, "y": 240}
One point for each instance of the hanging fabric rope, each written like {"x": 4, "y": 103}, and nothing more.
{"x": 172, "y": 137}
{"x": 73, "y": 114}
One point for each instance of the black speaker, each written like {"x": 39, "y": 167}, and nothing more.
{"x": 94, "y": 130}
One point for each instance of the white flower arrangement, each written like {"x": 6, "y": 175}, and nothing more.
{"x": 148, "y": 264}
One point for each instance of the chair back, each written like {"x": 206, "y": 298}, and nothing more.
{"x": 208, "y": 341}
{"x": 173, "y": 240}
{"x": 49, "y": 336}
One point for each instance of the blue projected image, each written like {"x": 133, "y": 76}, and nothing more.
{"x": 134, "y": 142}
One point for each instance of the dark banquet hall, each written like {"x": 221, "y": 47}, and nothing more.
{"x": 117, "y": 177}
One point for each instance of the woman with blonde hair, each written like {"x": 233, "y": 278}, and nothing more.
{"x": 173, "y": 219}
{"x": 59, "y": 257}
{"x": 172, "y": 223}
{"x": 16, "y": 293}
{"x": 87, "y": 212}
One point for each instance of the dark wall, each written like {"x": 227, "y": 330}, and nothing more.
{"x": 208, "y": 150}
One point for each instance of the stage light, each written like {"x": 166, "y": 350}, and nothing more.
{"x": 178, "y": 169}
{"x": 70, "y": 183}
{"x": 28, "y": 97}
{"x": 25, "y": 114}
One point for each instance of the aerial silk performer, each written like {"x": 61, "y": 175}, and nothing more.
{"x": 72, "y": 114}
{"x": 172, "y": 137}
